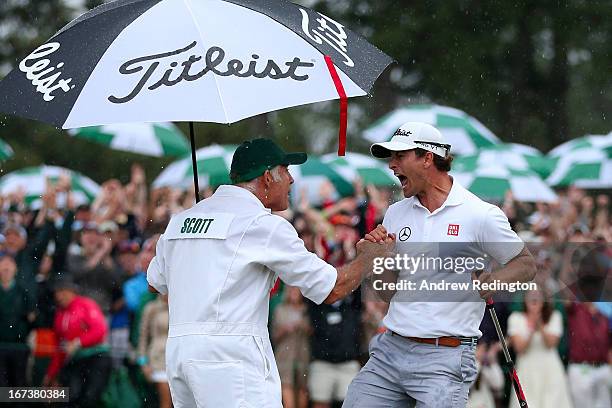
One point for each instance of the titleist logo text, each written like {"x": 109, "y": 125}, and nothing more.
{"x": 214, "y": 61}
{"x": 41, "y": 75}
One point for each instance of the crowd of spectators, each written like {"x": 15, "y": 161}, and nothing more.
{"x": 75, "y": 310}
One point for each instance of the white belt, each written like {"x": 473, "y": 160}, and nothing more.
{"x": 218, "y": 328}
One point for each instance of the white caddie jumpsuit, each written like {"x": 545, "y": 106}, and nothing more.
{"x": 218, "y": 261}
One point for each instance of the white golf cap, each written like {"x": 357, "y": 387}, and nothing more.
{"x": 413, "y": 135}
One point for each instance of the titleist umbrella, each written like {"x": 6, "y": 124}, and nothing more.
{"x": 190, "y": 60}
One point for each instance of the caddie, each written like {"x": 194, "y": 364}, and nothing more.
{"x": 218, "y": 260}
{"x": 426, "y": 358}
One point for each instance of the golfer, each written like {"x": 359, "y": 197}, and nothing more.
{"x": 426, "y": 357}
{"x": 217, "y": 261}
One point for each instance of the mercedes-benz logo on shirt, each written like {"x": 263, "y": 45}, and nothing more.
{"x": 404, "y": 234}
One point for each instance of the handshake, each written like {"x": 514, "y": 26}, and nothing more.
{"x": 377, "y": 243}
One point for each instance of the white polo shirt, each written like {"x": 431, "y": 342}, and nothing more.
{"x": 464, "y": 226}
{"x": 219, "y": 259}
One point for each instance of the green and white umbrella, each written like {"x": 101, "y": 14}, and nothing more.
{"x": 589, "y": 141}
{"x": 33, "y": 181}
{"x": 465, "y": 134}
{"x": 6, "y": 151}
{"x": 512, "y": 155}
{"x": 586, "y": 168}
{"x": 213, "y": 164}
{"x": 151, "y": 139}
{"x": 492, "y": 181}
{"x": 314, "y": 176}
{"x": 354, "y": 165}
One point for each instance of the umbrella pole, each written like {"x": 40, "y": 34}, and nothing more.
{"x": 196, "y": 185}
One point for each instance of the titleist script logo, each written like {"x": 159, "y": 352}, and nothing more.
{"x": 153, "y": 74}
{"x": 43, "y": 77}
{"x": 402, "y": 132}
{"x": 329, "y": 31}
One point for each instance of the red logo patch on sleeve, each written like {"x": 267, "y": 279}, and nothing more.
{"x": 453, "y": 229}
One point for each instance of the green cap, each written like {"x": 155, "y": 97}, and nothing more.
{"x": 253, "y": 157}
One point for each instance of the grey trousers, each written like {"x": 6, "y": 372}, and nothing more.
{"x": 403, "y": 373}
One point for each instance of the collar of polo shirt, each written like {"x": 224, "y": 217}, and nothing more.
{"x": 456, "y": 196}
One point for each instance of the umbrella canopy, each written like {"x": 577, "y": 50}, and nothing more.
{"x": 189, "y": 60}
{"x": 6, "y": 151}
{"x": 213, "y": 163}
{"x": 589, "y": 141}
{"x": 512, "y": 155}
{"x": 313, "y": 177}
{"x": 151, "y": 139}
{"x": 491, "y": 181}
{"x": 587, "y": 167}
{"x": 33, "y": 181}
{"x": 354, "y": 165}
{"x": 464, "y": 133}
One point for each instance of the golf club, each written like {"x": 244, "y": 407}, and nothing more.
{"x": 509, "y": 363}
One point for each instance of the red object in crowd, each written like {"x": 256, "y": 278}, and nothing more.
{"x": 275, "y": 288}
{"x": 82, "y": 319}
{"x": 588, "y": 335}
{"x": 370, "y": 217}
{"x": 327, "y": 203}
{"x": 341, "y": 219}
{"x": 45, "y": 343}
{"x": 326, "y": 250}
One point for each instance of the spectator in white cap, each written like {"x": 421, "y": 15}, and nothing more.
{"x": 427, "y": 356}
